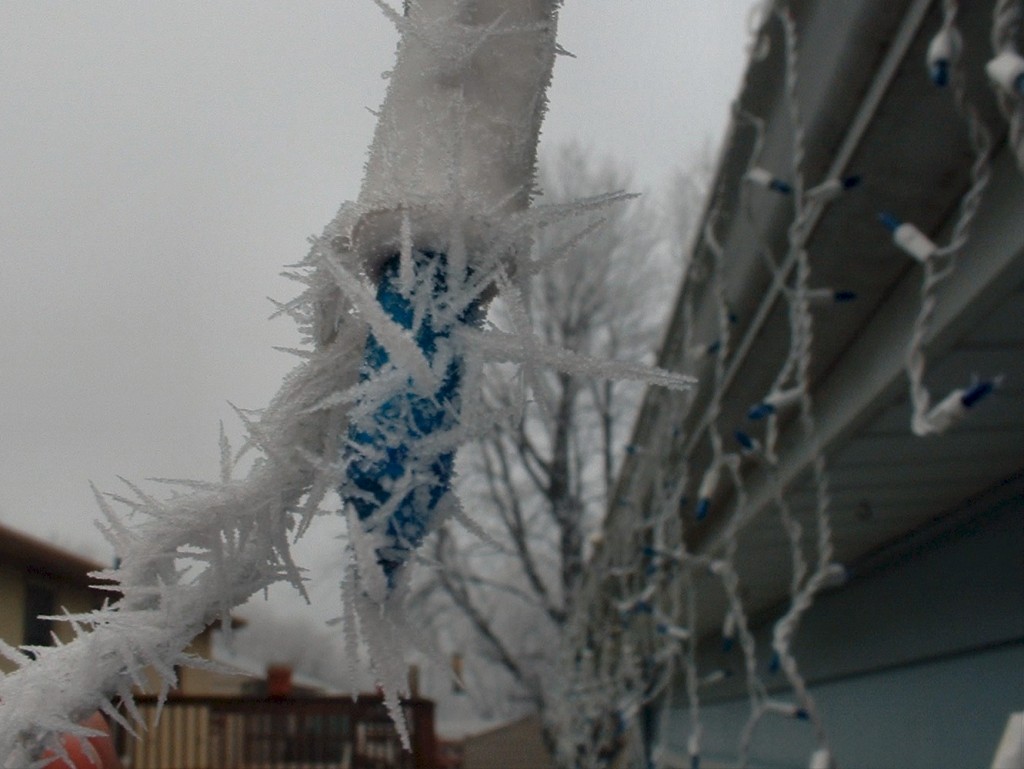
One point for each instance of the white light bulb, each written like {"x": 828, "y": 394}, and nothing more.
{"x": 1007, "y": 71}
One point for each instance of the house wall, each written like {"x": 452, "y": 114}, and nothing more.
{"x": 198, "y": 682}
{"x": 210, "y": 683}
{"x": 72, "y": 593}
{"x": 916, "y": 663}
{"x": 180, "y": 738}
{"x": 67, "y": 595}
{"x": 299, "y": 733}
{"x": 518, "y": 745}
{"x": 76, "y": 599}
{"x": 12, "y": 599}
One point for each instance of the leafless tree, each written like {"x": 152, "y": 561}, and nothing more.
{"x": 540, "y": 486}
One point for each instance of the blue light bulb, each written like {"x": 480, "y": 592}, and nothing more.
{"x": 703, "y": 507}
{"x": 944, "y": 49}
{"x": 976, "y": 393}
{"x": 760, "y": 411}
{"x": 764, "y": 178}
{"x": 383, "y": 443}
{"x": 889, "y": 221}
{"x": 748, "y": 443}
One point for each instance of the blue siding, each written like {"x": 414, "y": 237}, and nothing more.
{"x": 916, "y": 664}
{"x": 944, "y": 715}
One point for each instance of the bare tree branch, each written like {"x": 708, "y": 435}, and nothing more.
{"x": 547, "y": 478}
{"x": 521, "y": 543}
{"x": 454, "y": 585}
{"x": 530, "y": 458}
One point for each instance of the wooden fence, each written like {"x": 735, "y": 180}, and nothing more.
{"x": 260, "y": 733}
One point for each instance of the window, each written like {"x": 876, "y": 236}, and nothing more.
{"x": 39, "y": 599}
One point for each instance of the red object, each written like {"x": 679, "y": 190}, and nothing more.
{"x": 279, "y": 681}
{"x": 103, "y": 746}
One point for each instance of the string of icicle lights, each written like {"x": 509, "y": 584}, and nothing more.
{"x": 621, "y": 681}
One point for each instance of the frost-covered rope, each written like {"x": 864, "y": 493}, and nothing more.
{"x": 377, "y": 407}
{"x": 236, "y": 533}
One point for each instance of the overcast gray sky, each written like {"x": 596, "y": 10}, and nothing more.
{"x": 161, "y": 161}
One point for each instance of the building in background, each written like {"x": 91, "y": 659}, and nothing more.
{"x": 449, "y": 754}
{"x": 36, "y": 579}
{"x": 282, "y": 728}
{"x": 215, "y": 718}
{"x": 516, "y": 745}
{"x": 914, "y": 652}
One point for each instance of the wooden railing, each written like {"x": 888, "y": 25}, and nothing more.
{"x": 260, "y": 733}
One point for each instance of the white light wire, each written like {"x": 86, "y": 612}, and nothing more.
{"x": 808, "y": 577}
{"x": 942, "y": 265}
{"x": 1007, "y": 32}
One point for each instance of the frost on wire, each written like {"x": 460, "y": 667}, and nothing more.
{"x": 392, "y": 314}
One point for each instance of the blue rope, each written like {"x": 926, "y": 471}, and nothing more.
{"x": 389, "y": 426}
